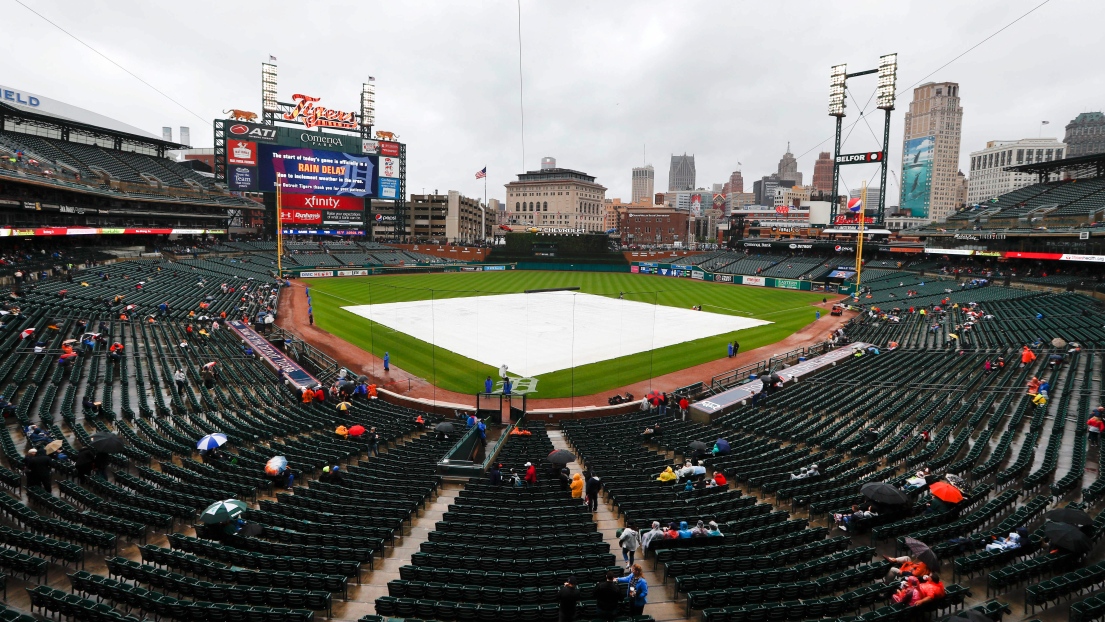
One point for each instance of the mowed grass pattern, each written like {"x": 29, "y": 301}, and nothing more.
{"x": 788, "y": 310}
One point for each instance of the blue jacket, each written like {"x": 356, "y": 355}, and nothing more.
{"x": 642, "y": 589}
{"x": 684, "y": 531}
{"x": 488, "y": 385}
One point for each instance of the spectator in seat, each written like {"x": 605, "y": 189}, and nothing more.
{"x": 649, "y": 536}
{"x": 667, "y": 476}
{"x": 699, "y": 530}
{"x": 909, "y": 593}
{"x": 906, "y": 567}
{"x": 1012, "y": 541}
{"x": 713, "y": 531}
{"x": 1094, "y": 427}
{"x": 672, "y": 532}
{"x": 930, "y": 589}
{"x": 719, "y": 479}
{"x": 684, "y": 530}
{"x": 531, "y": 475}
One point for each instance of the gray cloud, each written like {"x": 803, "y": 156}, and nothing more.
{"x": 728, "y": 81}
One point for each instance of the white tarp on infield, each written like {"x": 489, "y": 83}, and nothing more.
{"x": 533, "y": 333}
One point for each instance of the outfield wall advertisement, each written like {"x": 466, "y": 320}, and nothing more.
{"x": 691, "y": 272}
{"x": 917, "y": 176}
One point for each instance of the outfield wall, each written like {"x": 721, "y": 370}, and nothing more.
{"x": 697, "y": 273}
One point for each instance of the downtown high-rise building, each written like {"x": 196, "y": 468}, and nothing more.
{"x": 736, "y": 182}
{"x": 788, "y": 168}
{"x": 1085, "y": 134}
{"x": 681, "y": 174}
{"x": 644, "y": 181}
{"x": 823, "y": 173}
{"x": 990, "y": 176}
{"x": 930, "y": 151}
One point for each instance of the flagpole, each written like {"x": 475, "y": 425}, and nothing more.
{"x": 483, "y": 225}
{"x": 279, "y": 231}
{"x": 859, "y": 242}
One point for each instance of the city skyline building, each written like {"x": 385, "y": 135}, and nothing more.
{"x": 1085, "y": 134}
{"x": 557, "y": 198}
{"x": 988, "y": 175}
{"x": 823, "y": 173}
{"x": 788, "y": 167}
{"x": 681, "y": 173}
{"x": 930, "y": 151}
{"x": 644, "y": 182}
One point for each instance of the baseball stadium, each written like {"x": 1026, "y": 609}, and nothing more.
{"x": 239, "y": 387}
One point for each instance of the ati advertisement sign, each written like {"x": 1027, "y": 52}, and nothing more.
{"x": 252, "y": 132}
{"x": 308, "y": 171}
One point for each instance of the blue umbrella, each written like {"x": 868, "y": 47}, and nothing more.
{"x": 211, "y": 441}
{"x": 722, "y": 446}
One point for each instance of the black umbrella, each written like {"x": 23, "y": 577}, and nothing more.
{"x": 445, "y": 427}
{"x": 561, "y": 456}
{"x": 881, "y": 492}
{"x": 1070, "y": 516}
{"x": 1067, "y": 537}
{"x": 772, "y": 378}
{"x": 107, "y": 443}
{"x": 698, "y": 446}
{"x": 970, "y": 615}
{"x": 923, "y": 553}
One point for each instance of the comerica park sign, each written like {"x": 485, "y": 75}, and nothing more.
{"x": 860, "y": 158}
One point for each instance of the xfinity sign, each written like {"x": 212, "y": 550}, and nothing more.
{"x": 860, "y": 158}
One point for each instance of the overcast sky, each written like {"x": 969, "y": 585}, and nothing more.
{"x": 726, "y": 81}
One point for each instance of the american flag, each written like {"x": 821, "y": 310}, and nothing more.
{"x": 480, "y": 174}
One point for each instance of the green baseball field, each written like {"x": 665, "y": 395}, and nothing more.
{"x": 787, "y": 311}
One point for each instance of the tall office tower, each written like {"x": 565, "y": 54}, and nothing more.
{"x": 930, "y": 151}
{"x": 644, "y": 181}
{"x": 1085, "y": 134}
{"x": 823, "y": 173}
{"x": 788, "y": 168}
{"x": 681, "y": 175}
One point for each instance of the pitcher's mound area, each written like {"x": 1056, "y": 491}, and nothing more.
{"x": 535, "y": 334}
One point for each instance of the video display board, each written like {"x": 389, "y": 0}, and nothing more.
{"x": 316, "y": 172}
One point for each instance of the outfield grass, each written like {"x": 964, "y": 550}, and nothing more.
{"x": 788, "y": 310}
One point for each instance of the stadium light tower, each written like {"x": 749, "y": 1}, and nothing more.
{"x": 368, "y": 107}
{"x": 269, "y": 107}
{"x": 885, "y": 94}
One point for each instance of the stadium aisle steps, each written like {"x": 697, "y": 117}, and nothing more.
{"x": 661, "y": 601}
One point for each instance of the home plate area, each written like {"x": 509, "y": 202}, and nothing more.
{"x": 538, "y": 333}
